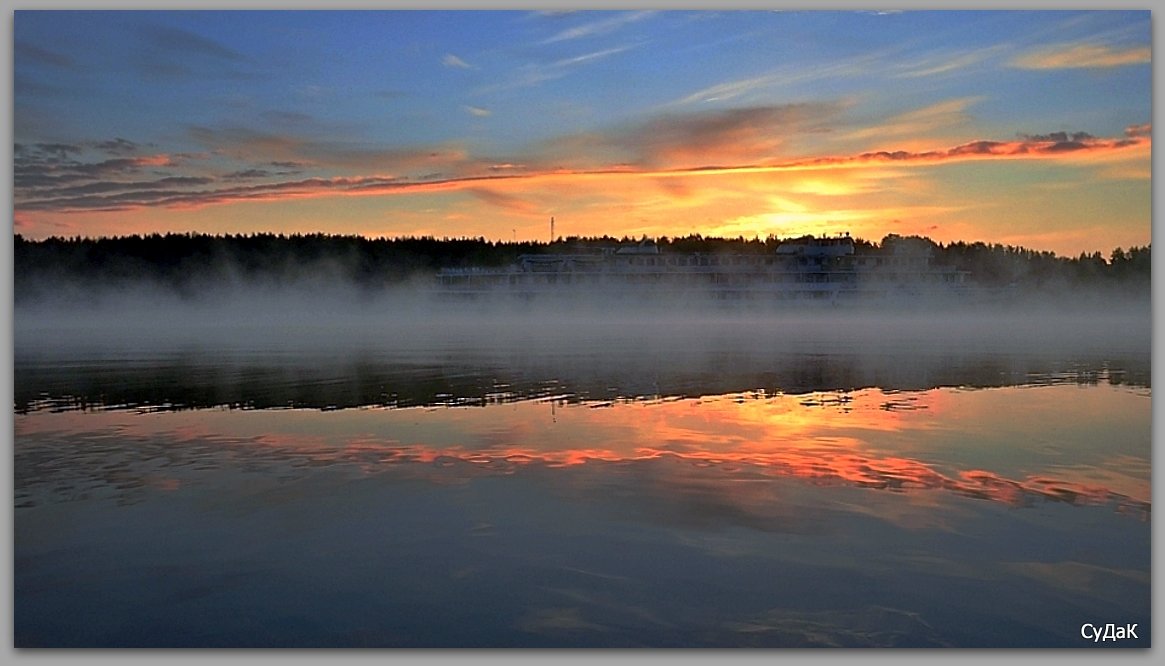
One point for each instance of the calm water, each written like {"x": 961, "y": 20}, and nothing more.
{"x": 696, "y": 484}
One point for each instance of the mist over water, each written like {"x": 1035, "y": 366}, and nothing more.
{"x": 321, "y": 314}
{"x": 320, "y": 343}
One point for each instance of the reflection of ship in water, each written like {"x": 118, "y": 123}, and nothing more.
{"x": 802, "y": 269}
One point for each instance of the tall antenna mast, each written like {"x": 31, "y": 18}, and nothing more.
{"x": 551, "y": 228}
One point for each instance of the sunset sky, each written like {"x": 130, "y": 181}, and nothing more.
{"x": 1022, "y": 128}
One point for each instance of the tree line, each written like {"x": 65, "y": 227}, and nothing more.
{"x": 191, "y": 263}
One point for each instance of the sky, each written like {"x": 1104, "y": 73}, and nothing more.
{"x": 1022, "y": 128}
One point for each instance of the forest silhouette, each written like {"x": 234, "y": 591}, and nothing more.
{"x": 191, "y": 264}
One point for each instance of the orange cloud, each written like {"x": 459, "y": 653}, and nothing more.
{"x": 1139, "y": 130}
{"x": 919, "y": 121}
{"x": 746, "y": 135}
{"x": 1065, "y": 56}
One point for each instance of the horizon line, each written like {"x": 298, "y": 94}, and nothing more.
{"x": 559, "y": 240}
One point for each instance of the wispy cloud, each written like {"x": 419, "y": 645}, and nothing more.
{"x": 534, "y": 74}
{"x": 731, "y": 89}
{"x": 785, "y": 76}
{"x": 506, "y": 201}
{"x": 184, "y": 42}
{"x": 248, "y": 145}
{"x": 1139, "y": 130}
{"x": 25, "y": 52}
{"x": 948, "y": 63}
{"x": 451, "y": 60}
{"x": 757, "y": 134}
{"x": 135, "y": 195}
{"x": 599, "y": 27}
{"x": 478, "y": 111}
{"x": 748, "y": 134}
{"x": 945, "y": 114}
{"x": 56, "y": 166}
{"x": 1083, "y": 56}
{"x": 588, "y": 57}
{"x": 167, "y": 53}
{"x": 552, "y": 13}
{"x": 24, "y": 86}
{"x": 118, "y": 146}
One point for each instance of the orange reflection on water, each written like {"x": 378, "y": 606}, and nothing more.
{"x": 969, "y": 443}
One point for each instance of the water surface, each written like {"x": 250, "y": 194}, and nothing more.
{"x": 804, "y": 485}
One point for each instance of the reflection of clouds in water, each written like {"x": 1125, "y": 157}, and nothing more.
{"x": 696, "y": 488}
{"x": 697, "y": 464}
{"x": 555, "y": 620}
{"x": 671, "y": 491}
{"x": 870, "y": 626}
{"x": 1125, "y": 474}
{"x": 1081, "y": 577}
{"x": 568, "y": 546}
{"x": 601, "y": 608}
